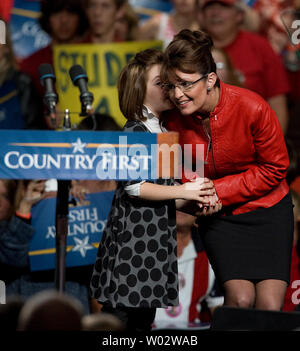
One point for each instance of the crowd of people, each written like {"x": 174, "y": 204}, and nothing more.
{"x": 227, "y": 78}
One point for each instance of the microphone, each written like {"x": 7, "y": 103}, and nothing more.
{"x": 47, "y": 79}
{"x": 80, "y": 79}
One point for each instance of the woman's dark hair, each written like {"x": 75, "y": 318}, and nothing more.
{"x": 132, "y": 82}
{"x": 50, "y": 7}
{"x": 189, "y": 52}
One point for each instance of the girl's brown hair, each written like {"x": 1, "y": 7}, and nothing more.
{"x": 133, "y": 80}
{"x": 189, "y": 52}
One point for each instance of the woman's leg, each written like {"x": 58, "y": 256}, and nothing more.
{"x": 239, "y": 293}
{"x": 270, "y": 294}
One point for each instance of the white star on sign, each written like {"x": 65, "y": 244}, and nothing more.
{"x": 82, "y": 246}
{"x": 78, "y": 146}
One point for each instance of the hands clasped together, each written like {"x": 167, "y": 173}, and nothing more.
{"x": 202, "y": 190}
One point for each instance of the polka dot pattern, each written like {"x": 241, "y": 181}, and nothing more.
{"x": 136, "y": 265}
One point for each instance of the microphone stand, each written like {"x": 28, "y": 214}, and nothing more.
{"x": 62, "y": 210}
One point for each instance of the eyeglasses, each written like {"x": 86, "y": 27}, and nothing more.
{"x": 183, "y": 85}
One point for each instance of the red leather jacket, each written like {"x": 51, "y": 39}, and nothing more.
{"x": 245, "y": 155}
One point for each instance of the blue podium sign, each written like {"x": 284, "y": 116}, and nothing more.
{"x": 85, "y": 228}
{"x": 31, "y": 154}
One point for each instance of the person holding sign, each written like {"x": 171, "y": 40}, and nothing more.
{"x": 16, "y": 200}
{"x": 249, "y": 243}
{"x": 65, "y": 22}
{"x": 136, "y": 268}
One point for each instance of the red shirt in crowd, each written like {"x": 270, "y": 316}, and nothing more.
{"x": 254, "y": 58}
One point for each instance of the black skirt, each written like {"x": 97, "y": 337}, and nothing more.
{"x": 256, "y": 245}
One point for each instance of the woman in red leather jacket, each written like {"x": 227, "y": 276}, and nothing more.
{"x": 249, "y": 242}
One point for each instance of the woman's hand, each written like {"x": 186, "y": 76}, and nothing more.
{"x": 210, "y": 210}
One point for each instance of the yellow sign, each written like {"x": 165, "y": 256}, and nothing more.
{"x": 103, "y": 64}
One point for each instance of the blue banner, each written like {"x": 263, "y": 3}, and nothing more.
{"x": 10, "y": 108}
{"x": 250, "y": 2}
{"x": 26, "y": 33}
{"x": 31, "y": 154}
{"x": 85, "y": 227}
{"x": 148, "y": 8}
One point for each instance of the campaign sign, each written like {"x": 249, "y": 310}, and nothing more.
{"x": 103, "y": 64}
{"x": 148, "y": 8}
{"x": 85, "y": 228}
{"x": 31, "y": 154}
{"x": 250, "y": 2}
{"x": 26, "y": 33}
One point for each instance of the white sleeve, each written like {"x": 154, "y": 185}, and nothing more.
{"x": 134, "y": 189}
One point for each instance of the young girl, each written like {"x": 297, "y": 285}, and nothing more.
{"x": 136, "y": 268}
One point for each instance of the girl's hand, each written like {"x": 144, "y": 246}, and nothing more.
{"x": 201, "y": 189}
